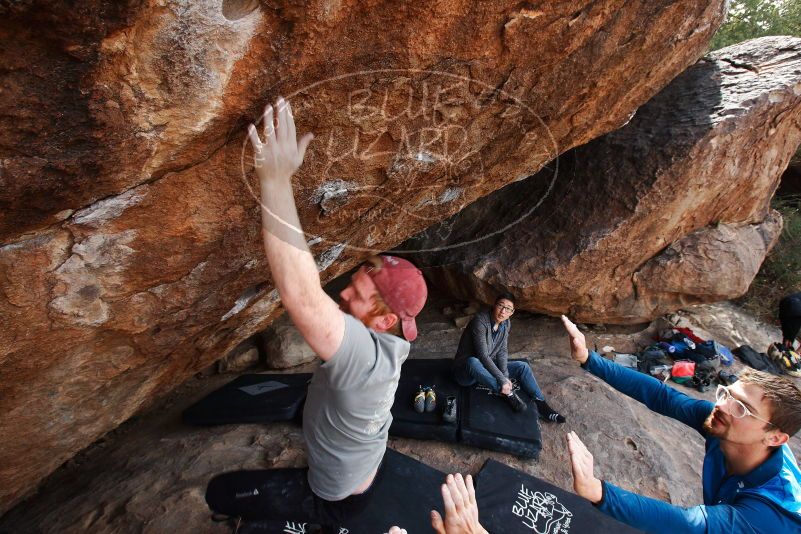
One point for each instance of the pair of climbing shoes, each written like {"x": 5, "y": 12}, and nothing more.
{"x": 425, "y": 400}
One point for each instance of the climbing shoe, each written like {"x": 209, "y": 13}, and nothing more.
{"x": 549, "y": 414}
{"x": 516, "y": 402}
{"x": 449, "y": 413}
{"x": 788, "y": 359}
{"x": 775, "y": 353}
{"x": 431, "y": 400}
{"x": 793, "y": 363}
{"x": 420, "y": 400}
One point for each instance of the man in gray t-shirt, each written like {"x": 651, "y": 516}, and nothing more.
{"x": 362, "y": 343}
{"x": 347, "y": 414}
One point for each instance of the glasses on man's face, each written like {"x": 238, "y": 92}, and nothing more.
{"x": 507, "y": 309}
{"x": 734, "y": 407}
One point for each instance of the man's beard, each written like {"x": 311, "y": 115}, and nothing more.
{"x": 716, "y": 431}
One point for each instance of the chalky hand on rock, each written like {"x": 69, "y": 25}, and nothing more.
{"x": 280, "y": 154}
{"x": 275, "y": 160}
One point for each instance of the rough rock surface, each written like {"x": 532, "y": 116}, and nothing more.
{"x": 244, "y": 356}
{"x": 150, "y": 475}
{"x": 129, "y": 240}
{"x": 670, "y": 210}
{"x": 284, "y": 347}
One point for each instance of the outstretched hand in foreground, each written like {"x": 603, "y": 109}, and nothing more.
{"x": 461, "y": 510}
{"x": 584, "y": 482}
{"x": 578, "y": 345}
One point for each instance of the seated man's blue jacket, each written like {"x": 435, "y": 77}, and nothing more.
{"x": 768, "y": 499}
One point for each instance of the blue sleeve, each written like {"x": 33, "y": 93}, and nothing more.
{"x": 651, "y": 515}
{"x": 651, "y": 392}
{"x": 658, "y": 517}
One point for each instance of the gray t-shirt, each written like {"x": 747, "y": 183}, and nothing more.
{"x": 347, "y": 414}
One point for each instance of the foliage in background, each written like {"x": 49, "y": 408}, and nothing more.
{"x": 780, "y": 274}
{"x": 747, "y": 19}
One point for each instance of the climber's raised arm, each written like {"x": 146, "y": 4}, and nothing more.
{"x": 294, "y": 271}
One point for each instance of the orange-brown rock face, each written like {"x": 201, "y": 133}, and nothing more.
{"x": 130, "y": 252}
{"x": 670, "y": 210}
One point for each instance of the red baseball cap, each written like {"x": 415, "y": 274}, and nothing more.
{"x": 403, "y": 288}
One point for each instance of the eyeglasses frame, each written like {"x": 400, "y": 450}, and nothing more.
{"x": 729, "y": 398}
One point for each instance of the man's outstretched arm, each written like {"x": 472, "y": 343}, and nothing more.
{"x": 657, "y": 517}
{"x": 315, "y": 314}
{"x": 646, "y": 389}
{"x": 653, "y": 515}
{"x": 630, "y": 508}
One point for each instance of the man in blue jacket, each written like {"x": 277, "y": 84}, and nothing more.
{"x": 482, "y": 355}
{"x": 751, "y": 480}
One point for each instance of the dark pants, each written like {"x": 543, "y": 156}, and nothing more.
{"x": 790, "y": 316}
{"x": 281, "y": 494}
{"x": 471, "y": 371}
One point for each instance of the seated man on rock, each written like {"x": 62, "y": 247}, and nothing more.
{"x": 751, "y": 481}
{"x": 362, "y": 342}
{"x": 482, "y": 358}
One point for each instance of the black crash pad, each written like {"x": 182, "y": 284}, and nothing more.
{"x": 243, "y": 497}
{"x": 484, "y": 420}
{"x": 270, "y": 527}
{"x": 511, "y": 501}
{"x": 487, "y": 421}
{"x": 251, "y": 398}
{"x": 408, "y": 491}
{"x": 404, "y": 496}
{"x": 406, "y": 422}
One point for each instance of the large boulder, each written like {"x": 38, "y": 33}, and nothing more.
{"x": 284, "y": 346}
{"x": 243, "y": 357}
{"x": 130, "y": 251}
{"x": 670, "y": 210}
